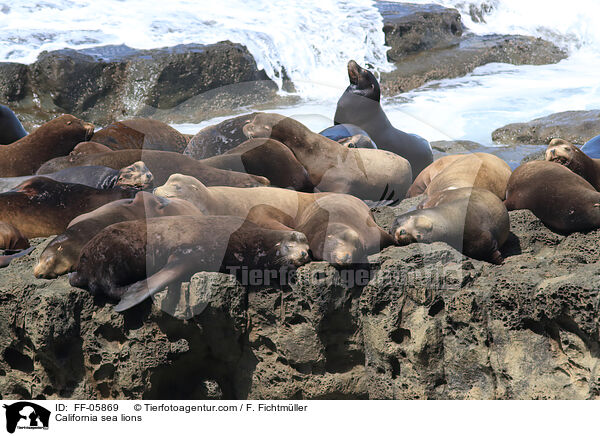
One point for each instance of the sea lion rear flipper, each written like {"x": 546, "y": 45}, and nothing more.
{"x": 143, "y": 289}
{"x": 6, "y": 260}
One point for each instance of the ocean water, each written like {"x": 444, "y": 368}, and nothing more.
{"x": 312, "y": 40}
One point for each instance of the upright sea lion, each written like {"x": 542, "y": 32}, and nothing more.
{"x": 219, "y": 138}
{"x": 62, "y": 253}
{"x": 364, "y": 173}
{"x": 160, "y": 163}
{"x": 268, "y": 158}
{"x": 561, "y": 199}
{"x": 359, "y": 105}
{"x": 423, "y": 180}
{"x": 55, "y": 138}
{"x": 43, "y": 207}
{"x": 339, "y": 227}
{"x": 472, "y": 220}
{"x": 133, "y": 260}
{"x": 592, "y": 147}
{"x": 473, "y": 170}
{"x": 141, "y": 133}
{"x": 135, "y": 175}
{"x": 349, "y": 135}
{"x": 567, "y": 154}
{"x": 11, "y": 129}
{"x": 90, "y": 147}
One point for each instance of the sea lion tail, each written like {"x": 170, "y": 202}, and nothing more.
{"x": 6, "y": 260}
{"x": 143, "y": 289}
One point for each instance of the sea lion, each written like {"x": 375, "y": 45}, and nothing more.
{"x": 62, "y": 253}
{"x": 43, "y": 207}
{"x": 141, "y": 133}
{"x": 11, "y": 129}
{"x": 133, "y": 260}
{"x": 53, "y": 139}
{"x": 472, "y": 220}
{"x": 12, "y": 240}
{"x": 562, "y": 200}
{"x": 592, "y": 147}
{"x": 90, "y": 147}
{"x": 359, "y": 105}
{"x": 423, "y": 180}
{"x": 364, "y": 173}
{"x": 340, "y": 228}
{"x": 472, "y": 170}
{"x": 218, "y": 138}
{"x": 567, "y": 154}
{"x": 349, "y": 135}
{"x": 268, "y": 158}
{"x": 135, "y": 175}
{"x": 160, "y": 163}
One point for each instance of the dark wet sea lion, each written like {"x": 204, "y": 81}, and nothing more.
{"x": 365, "y": 173}
{"x": 561, "y": 199}
{"x": 339, "y": 227}
{"x": 55, "y": 138}
{"x": 141, "y": 133}
{"x": 569, "y": 155}
{"x": 359, "y": 105}
{"x": 474, "y": 221}
{"x": 218, "y": 138}
{"x": 61, "y": 255}
{"x": 472, "y": 170}
{"x": 160, "y": 163}
{"x": 592, "y": 147}
{"x": 11, "y": 129}
{"x": 133, "y": 260}
{"x": 267, "y": 158}
{"x": 135, "y": 175}
{"x": 90, "y": 147}
{"x": 349, "y": 135}
{"x": 42, "y": 207}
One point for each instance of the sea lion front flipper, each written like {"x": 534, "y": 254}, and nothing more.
{"x": 143, "y": 289}
{"x": 7, "y": 259}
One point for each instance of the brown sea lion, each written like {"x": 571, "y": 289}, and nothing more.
{"x": 133, "y": 260}
{"x": 53, "y": 139}
{"x": 339, "y": 227}
{"x": 561, "y": 199}
{"x": 473, "y": 170}
{"x": 425, "y": 177}
{"x": 365, "y": 173}
{"x": 90, "y": 147}
{"x": 12, "y": 240}
{"x": 571, "y": 156}
{"x": 141, "y": 133}
{"x": 135, "y": 175}
{"x": 218, "y": 138}
{"x": 43, "y": 207}
{"x": 160, "y": 163}
{"x": 472, "y": 220}
{"x": 62, "y": 253}
{"x": 268, "y": 158}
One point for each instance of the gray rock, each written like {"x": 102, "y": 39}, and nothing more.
{"x": 472, "y": 51}
{"x": 411, "y": 28}
{"x": 577, "y": 127}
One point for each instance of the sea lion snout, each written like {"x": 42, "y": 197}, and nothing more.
{"x": 89, "y": 130}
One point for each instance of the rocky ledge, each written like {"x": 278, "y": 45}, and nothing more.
{"x": 428, "y": 324}
{"x": 114, "y": 82}
{"x": 577, "y": 127}
{"x": 429, "y": 42}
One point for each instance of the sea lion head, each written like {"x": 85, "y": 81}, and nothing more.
{"x": 136, "y": 175}
{"x": 412, "y": 228}
{"x": 342, "y": 245}
{"x": 565, "y": 153}
{"x": 259, "y": 127}
{"x": 56, "y": 259}
{"x": 186, "y": 188}
{"x": 292, "y": 250}
{"x": 363, "y": 82}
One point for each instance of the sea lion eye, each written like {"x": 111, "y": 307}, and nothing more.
{"x": 403, "y": 232}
